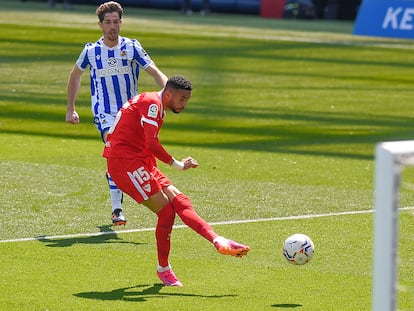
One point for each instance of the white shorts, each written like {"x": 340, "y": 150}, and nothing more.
{"x": 103, "y": 122}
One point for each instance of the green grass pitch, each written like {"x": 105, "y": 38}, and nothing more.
{"x": 283, "y": 121}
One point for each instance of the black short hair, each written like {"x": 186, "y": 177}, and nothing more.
{"x": 179, "y": 82}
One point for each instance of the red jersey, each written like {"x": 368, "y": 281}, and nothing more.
{"x": 135, "y": 131}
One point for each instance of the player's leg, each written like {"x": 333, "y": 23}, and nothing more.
{"x": 189, "y": 216}
{"x": 205, "y": 10}
{"x": 186, "y": 9}
{"x": 166, "y": 217}
{"x": 118, "y": 217}
{"x": 103, "y": 122}
{"x": 129, "y": 176}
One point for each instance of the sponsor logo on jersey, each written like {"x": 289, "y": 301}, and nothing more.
{"x": 112, "y": 62}
{"x": 153, "y": 111}
{"x": 113, "y": 71}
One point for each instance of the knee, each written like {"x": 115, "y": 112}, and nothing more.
{"x": 166, "y": 215}
{"x": 181, "y": 202}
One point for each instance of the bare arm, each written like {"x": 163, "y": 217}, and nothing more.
{"x": 159, "y": 77}
{"x": 72, "y": 90}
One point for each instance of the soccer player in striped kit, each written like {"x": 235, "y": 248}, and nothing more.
{"x": 132, "y": 150}
{"x": 114, "y": 63}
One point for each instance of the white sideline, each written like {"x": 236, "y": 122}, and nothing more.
{"x": 231, "y": 222}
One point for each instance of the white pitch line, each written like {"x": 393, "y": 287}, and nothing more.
{"x": 231, "y": 222}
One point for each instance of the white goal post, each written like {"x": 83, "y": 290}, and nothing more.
{"x": 390, "y": 158}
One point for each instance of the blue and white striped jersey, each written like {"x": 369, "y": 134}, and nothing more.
{"x": 114, "y": 72}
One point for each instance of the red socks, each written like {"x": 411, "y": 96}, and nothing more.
{"x": 188, "y": 215}
{"x": 163, "y": 232}
{"x": 182, "y": 206}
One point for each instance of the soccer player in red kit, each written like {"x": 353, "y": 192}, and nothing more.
{"x": 131, "y": 150}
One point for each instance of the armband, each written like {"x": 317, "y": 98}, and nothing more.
{"x": 179, "y": 165}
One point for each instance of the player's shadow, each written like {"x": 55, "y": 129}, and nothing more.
{"x": 287, "y": 305}
{"x": 107, "y": 235}
{"x": 139, "y": 293}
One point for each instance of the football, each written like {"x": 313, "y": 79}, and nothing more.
{"x": 298, "y": 249}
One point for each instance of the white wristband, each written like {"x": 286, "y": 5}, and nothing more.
{"x": 177, "y": 164}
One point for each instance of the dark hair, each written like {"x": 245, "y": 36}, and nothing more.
{"x": 109, "y": 7}
{"x": 179, "y": 82}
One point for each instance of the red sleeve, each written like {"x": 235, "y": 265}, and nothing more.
{"x": 153, "y": 144}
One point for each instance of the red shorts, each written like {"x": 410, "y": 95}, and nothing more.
{"x": 138, "y": 178}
